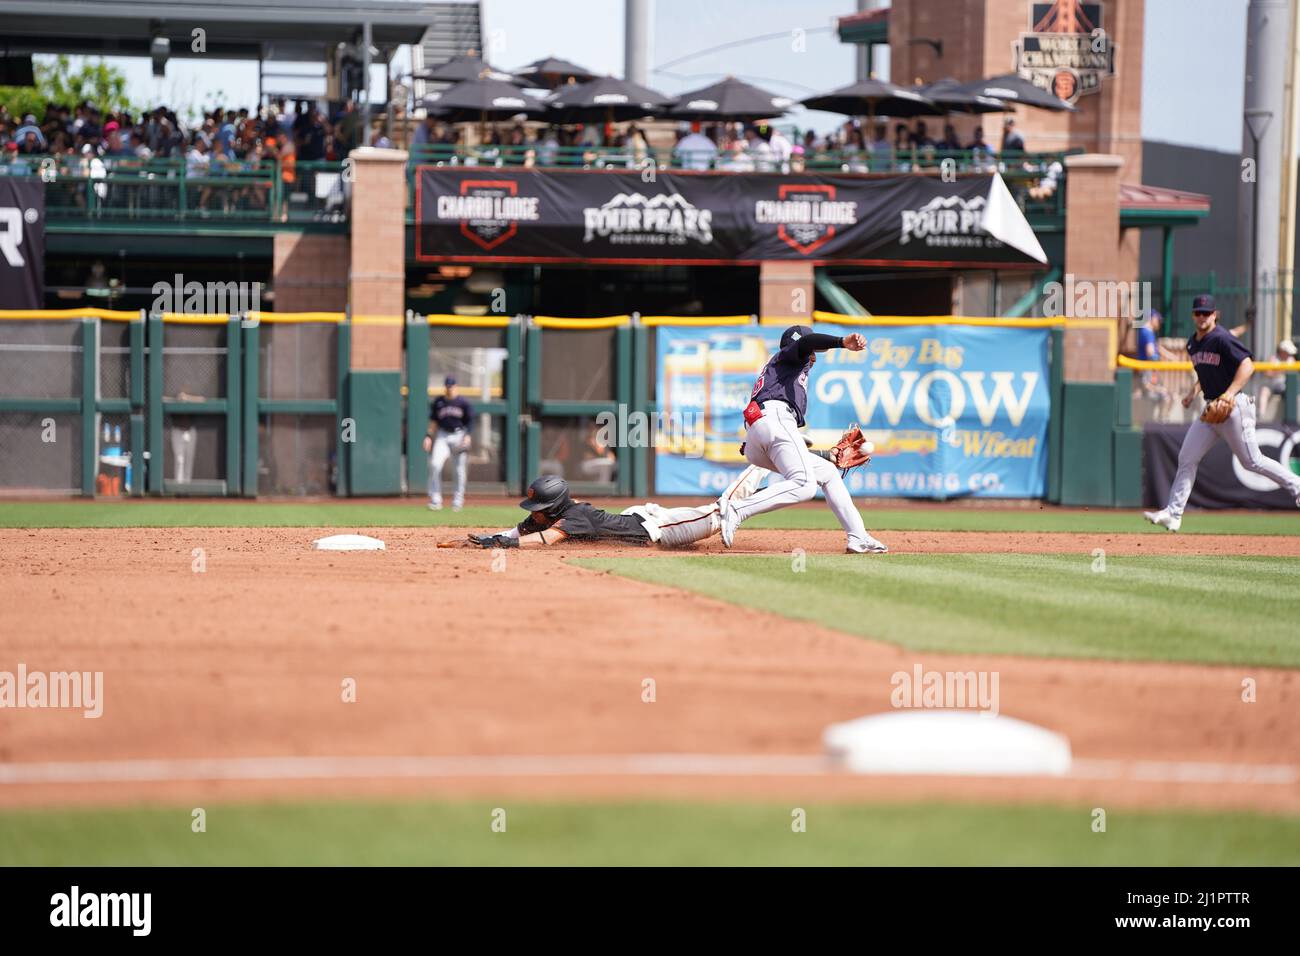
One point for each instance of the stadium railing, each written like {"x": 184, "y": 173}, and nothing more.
{"x": 126, "y": 188}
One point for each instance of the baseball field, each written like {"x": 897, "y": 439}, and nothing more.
{"x": 266, "y": 703}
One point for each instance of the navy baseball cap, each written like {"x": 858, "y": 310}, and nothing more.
{"x": 449, "y": 381}
{"x": 1204, "y": 303}
{"x": 793, "y": 334}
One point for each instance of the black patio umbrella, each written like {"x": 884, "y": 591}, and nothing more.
{"x": 729, "y": 99}
{"x": 956, "y": 98}
{"x": 1014, "y": 90}
{"x": 461, "y": 68}
{"x": 605, "y": 99}
{"x": 874, "y": 98}
{"x": 551, "y": 72}
{"x": 482, "y": 99}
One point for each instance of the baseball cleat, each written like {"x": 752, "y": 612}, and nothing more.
{"x": 435, "y": 506}
{"x": 730, "y": 522}
{"x": 869, "y": 546}
{"x": 1164, "y": 519}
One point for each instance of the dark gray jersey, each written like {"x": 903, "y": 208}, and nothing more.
{"x": 581, "y": 521}
{"x": 785, "y": 376}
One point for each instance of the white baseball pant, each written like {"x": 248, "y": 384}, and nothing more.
{"x": 676, "y": 527}
{"x": 1238, "y": 430}
{"x": 447, "y": 445}
{"x": 773, "y": 442}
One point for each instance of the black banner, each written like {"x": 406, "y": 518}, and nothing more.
{"x": 22, "y": 243}
{"x": 1221, "y": 481}
{"x": 528, "y": 215}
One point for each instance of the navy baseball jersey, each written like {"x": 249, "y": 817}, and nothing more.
{"x": 1216, "y": 359}
{"x": 785, "y": 376}
{"x": 451, "y": 414}
{"x": 582, "y": 521}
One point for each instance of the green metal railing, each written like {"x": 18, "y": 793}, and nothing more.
{"x": 126, "y": 188}
{"x": 1232, "y": 295}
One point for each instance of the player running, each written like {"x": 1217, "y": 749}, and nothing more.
{"x": 774, "y": 415}
{"x": 1223, "y": 367}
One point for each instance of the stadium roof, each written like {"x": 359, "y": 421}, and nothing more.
{"x": 235, "y": 29}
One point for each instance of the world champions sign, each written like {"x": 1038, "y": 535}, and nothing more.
{"x": 1067, "y": 51}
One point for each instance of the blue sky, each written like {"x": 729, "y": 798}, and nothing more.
{"x": 1192, "y": 83}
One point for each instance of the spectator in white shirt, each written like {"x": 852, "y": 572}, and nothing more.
{"x": 695, "y": 150}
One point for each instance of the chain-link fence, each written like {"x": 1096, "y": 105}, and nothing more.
{"x": 40, "y": 359}
{"x": 194, "y": 361}
{"x": 297, "y": 455}
{"x": 297, "y": 360}
{"x": 40, "y": 452}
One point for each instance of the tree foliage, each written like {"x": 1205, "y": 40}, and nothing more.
{"x": 67, "y": 81}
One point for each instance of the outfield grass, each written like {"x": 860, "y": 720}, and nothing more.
{"x": 179, "y": 513}
{"x": 460, "y": 833}
{"x": 1204, "y": 609}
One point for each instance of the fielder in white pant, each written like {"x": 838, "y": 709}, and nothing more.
{"x": 450, "y": 420}
{"x": 773, "y": 442}
{"x": 1223, "y": 367}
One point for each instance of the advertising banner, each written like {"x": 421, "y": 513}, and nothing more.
{"x": 528, "y": 215}
{"x": 1221, "y": 481}
{"x": 953, "y": 410}
{"x": 22, "y": 243}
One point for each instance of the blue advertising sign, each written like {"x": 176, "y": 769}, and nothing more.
{"x": 953, "y": 410}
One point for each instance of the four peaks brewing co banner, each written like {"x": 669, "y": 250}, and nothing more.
{"x": 22, "y": 243}
{"x": 953, "y": 410}
{"x": 528, "y": 215}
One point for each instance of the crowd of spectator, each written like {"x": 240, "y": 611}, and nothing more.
{"x": 83, "y": 141}
{"x": 734, "y": 147}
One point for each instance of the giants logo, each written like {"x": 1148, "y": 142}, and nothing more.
{"x": 489, "y": 210}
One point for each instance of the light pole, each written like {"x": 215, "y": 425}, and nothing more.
{"x": 1256, "y": 124}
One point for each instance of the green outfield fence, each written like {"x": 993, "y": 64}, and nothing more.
{"x": 104, "y": 402}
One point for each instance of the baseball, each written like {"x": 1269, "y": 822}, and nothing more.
{"x": 868, "y": 447}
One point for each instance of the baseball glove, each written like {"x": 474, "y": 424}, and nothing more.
{"x": 848, "y": 451}
{"x": 1218, "y": 410}
{"x": 491, "y": 541}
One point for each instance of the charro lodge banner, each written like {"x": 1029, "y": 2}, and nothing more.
{"x": 1221, "y": 481}
{"x": 953, "y": 410}
{"x": 22, "y": 243}
{"x": 486, "y": 214}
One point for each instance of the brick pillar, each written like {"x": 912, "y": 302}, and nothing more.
{"x": 310, "y": 272}
{"x": 1093, "y": 253}
{"x": 378, "y": 275}
{"x": 786, "y": 291}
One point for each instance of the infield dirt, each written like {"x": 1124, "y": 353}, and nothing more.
{"x": 247, "y": 659}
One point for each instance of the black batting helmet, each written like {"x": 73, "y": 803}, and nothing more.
{"x": 547, "y": 493}
{"x": 793, "y": 334}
